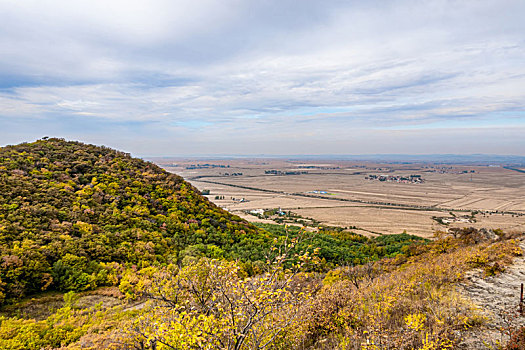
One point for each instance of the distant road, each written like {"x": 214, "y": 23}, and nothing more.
{"x": 383, "y": 204}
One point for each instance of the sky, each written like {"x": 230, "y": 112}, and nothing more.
{"x": 203, "y": 77}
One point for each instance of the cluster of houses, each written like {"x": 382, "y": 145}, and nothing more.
{"x": 455, "y": 219}
{"x": 206, "y": 166}
{"x": 278, "y": 172}
{"x": 317, "y": 167}
{"x": 318, "y": 192}
{"x": 463, "y": 219}
{"x": 257, "y": 212}
{"x": 447, "y": 170}
{"x": 262, "y": 212}
{"x": 414, "y": 179}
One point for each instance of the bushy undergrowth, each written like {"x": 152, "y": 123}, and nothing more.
{"x": 410, "y": 304}
{"x": 405, "y": 302}
{"x": 517, "y": 340}
{"x": 66, "y": 326}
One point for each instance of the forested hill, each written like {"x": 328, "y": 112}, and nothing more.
{"x": 73, "y": 216}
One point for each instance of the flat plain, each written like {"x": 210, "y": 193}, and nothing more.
{"x": 370, "y": 198}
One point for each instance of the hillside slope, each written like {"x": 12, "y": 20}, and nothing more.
{"x": 498, "y": 296}
{"x": 73, "y": 215}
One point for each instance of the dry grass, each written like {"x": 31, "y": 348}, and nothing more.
{"x": 491, "y": 188}
{"x": 411, "y": 305}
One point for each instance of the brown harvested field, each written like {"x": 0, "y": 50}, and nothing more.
{"x": 345, "y": 198}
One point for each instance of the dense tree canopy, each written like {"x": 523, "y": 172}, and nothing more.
{"x": 72, "y": 215}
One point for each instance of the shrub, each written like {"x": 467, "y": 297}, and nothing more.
{"x": 517, "y": 340}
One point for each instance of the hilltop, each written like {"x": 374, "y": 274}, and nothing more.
{"x": 72, "y": 215}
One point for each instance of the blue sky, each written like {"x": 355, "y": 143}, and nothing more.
{"x": 167, "y": 77}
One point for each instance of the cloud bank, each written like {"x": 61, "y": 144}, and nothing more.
{"x": 276, "y": 77}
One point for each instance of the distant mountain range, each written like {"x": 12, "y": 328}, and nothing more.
{"x": 481, "y": 159}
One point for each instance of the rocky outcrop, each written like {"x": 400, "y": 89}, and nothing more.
{"x": 498, "y": 300}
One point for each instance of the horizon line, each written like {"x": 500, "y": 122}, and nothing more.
{"x": 397, "y": 157}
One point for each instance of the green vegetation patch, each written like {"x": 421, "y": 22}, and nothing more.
{"x": 75, "y": 216}
{"x": 340, "y": 247}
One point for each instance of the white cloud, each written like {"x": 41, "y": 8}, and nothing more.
{"x": 275, "y": 69}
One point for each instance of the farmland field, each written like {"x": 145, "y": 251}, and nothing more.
{"x": 370, "y": 198}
